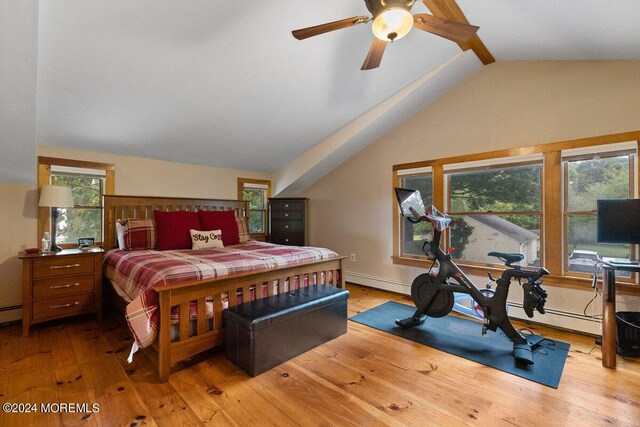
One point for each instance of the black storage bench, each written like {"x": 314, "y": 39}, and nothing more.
{"x": 262, "y": 334}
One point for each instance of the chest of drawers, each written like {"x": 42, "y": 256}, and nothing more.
{"x": 60, "y": 284}
{"x": 288, "y": 221}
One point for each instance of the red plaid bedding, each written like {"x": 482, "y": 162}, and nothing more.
{"x": 137, "y": 273}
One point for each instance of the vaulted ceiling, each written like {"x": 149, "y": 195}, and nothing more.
{"x": 224, "y": 83}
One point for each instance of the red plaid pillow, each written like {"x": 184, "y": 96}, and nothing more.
{"x": 243, "y": 230}
{"x": 138, "y": 234}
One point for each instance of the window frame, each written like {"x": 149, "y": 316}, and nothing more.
{"x": 260, "y": 183}
{"x": 502, "y": 165}
{"x": 422, "y": 172}
{"x": 566, "y": 212}
{"x": 552, "y": 220}
{"x": 44, "y": 178}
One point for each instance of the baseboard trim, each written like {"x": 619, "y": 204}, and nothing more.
{"x": 555, "y": 318}
{"x": 10, "y": 314}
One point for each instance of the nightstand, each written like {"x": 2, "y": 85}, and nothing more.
{"x": 57, "y": 285}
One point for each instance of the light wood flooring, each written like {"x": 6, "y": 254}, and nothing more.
{"x": 363, "y": 378}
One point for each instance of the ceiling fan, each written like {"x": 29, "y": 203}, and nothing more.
{"x": 392, "y": 21}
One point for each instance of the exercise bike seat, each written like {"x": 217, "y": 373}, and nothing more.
{"x": 507, "y": 257}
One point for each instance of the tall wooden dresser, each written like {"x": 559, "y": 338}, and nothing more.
{"x": 288, "y": 221}
{"x": 62, "y": 284}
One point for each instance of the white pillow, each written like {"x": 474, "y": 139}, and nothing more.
{"x": 120, "y": 229}
{"x": 206, "y": 239}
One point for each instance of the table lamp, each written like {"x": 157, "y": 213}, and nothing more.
{"x": 55, "y": 197}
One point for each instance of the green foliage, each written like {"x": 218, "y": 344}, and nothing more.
{"x": 507, "y": 189}
{"x": 257, "y": 201}
{"x": 86, "y": 220}
{"x": 460, "y": 237}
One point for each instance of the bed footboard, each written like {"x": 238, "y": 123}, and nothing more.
{"x": 227, "y": 291}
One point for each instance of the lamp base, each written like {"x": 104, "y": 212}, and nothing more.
{"x": 55, "y": 248}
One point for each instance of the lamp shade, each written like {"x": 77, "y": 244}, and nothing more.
{"x": 56, "y": 196}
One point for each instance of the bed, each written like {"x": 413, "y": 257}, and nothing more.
{"x": 189, "y": 301}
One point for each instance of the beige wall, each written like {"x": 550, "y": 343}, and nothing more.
{"x": 17, "y": 231}
{"x": 134, "y": 176}
{"x": 506, "y": 104}
{"x": 137, "y": 176}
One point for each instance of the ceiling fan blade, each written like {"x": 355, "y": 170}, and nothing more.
{"x": 305, "y": 33}
{"x": 374, "y": 57}
{"x": 451, "y": 30}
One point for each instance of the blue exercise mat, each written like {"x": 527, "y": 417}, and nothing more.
{"x": 462, "y": 337}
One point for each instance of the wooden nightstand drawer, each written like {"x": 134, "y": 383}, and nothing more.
{"x": 62, "y": 266}
{"x": 61, "y": 286}
{"x": 53, "y": 308}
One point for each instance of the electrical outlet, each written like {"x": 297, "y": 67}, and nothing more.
{"x": 353, "y": 257}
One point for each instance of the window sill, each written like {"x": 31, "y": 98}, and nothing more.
{"x": 260, "y": 237}
{"x": 572, "y": 282}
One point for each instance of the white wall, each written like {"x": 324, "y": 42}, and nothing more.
{"x": 506, "y": 104}
{"x": 18, "y": 80}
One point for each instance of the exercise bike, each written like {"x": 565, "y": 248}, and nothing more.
{"x": 433, "y": 292}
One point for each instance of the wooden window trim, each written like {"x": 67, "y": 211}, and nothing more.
{"x": 241, "y": 184}
{"x": 44, "y": 178}
{"x": 552, "y": 223}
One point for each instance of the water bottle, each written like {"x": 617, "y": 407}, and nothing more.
{"x": 46, "y": 243}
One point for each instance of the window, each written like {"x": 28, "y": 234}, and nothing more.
{"x": 89, "y": 181}
{"x": 257, "y": 193}
{"x": 539, "y": 201}
{"x": 588, "y": 178}
{"x": 413, "y": 235}
{"x": 85, "y": 218}
{"x": 498, "y": 209}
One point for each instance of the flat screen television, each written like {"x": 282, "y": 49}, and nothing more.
{"x": 619, "y": 221}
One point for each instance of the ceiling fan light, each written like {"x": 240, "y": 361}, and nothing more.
{"x": 392, "y": 24}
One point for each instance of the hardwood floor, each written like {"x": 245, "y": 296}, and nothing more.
{"x": 365, "y": 377}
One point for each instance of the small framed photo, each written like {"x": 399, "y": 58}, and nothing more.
{"x": 85, "y": 242}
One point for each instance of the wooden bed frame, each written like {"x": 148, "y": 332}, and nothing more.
{"x": 181, "y": 294}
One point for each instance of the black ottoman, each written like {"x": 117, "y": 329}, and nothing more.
{"x": 265, "y": 333}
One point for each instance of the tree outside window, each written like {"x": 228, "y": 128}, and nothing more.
{"x": 587, "y": 179}
{"x": 89, "y": 181}
{"x": 256, "y": 192}
{"x": 498, "y": 209}
{"x": 85, "y": 218}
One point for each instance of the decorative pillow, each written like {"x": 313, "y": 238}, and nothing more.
{"x": 120, "y": 229}
{"x": 136, "y": 234}
{"x": 173, "y": 229}
{"x": 206, "y": 239}
{"x": 243, "y": 230}
{"x": 221, "y": 220}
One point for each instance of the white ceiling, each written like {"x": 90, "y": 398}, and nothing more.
{"x": 557, "y": 29}
{"x": 224, "y": 83}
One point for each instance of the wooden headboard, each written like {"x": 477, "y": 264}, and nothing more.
{"x": 124, "y": 207}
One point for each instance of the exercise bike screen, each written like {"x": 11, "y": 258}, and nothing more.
{"x": 410, "y": 199}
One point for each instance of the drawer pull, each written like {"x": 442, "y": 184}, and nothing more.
{"x": 65, "y": 305}
{"x": 58, "y": 267}
{"x": 286, "y": 206}
{"x": 286, "y": 226}
{"x": 286, "y": 240}
{"x": 70, "y": 285}
{"x": 286, "y": 214}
